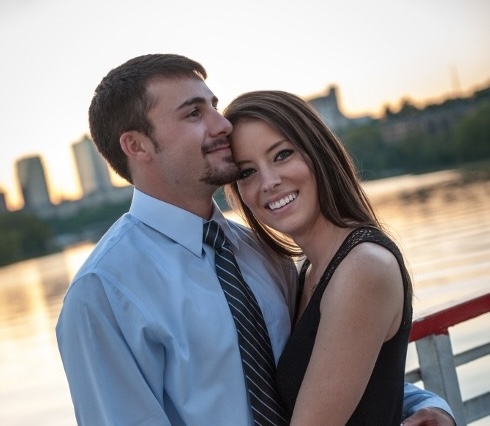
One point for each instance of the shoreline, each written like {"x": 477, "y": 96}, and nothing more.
{"x": 411, "y": 188}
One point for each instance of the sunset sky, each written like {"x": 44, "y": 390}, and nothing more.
{"x": 55, "y": 52}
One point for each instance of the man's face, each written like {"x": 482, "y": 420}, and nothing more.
{"x": 190, "y": 135}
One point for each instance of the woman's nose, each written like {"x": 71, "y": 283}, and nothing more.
{"x": 270, "y": 180}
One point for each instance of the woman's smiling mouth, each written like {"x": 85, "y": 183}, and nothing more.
{"x": 282, "y": 202}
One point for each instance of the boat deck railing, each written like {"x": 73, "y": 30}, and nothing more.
{"x": 437, "y": 362}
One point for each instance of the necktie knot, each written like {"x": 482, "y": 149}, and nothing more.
{"x": 213, "y": 235}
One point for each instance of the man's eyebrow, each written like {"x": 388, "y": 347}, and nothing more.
{"x": 197, "y": 100}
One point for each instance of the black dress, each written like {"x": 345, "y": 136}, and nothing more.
{"x": 382, "y": 401}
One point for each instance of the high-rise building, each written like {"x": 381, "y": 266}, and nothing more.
{"x": 93, "y": 171}
{"x": 328, "y": 108}
{"x": 32, "y": 180}
{"x": 3, "y": 202}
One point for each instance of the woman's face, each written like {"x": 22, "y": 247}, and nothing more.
{"x": 275, "y": 181}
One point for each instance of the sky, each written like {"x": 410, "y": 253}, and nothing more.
{"x": 55, "y": 52}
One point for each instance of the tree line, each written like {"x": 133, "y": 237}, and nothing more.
{"x": 24, "y": 235}
{"x": 421, "y": 151}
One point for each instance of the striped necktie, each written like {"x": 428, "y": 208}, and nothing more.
{"x": 253, "y": 338}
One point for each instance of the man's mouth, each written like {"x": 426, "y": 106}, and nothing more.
{"x": 282, "y": 202}
{"x": 216, "y": 146}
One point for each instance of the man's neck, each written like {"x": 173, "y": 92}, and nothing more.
{"x": 200, "y": 204}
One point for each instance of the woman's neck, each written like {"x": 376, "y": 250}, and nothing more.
{"x": 320, "y": 245}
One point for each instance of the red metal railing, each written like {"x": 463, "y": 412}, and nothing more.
{"x": 437, "y": 362}
{"x": 438, "y": 322}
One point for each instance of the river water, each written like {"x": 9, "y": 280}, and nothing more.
{"x": 444, "y": 233}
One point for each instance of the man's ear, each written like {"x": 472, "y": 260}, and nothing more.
{"x": 134, "y": 145}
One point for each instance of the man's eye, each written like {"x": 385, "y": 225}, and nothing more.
{"x": 283, "y": 154}
{"x": 194, "y": 113}
{"x": 245, "y": 173}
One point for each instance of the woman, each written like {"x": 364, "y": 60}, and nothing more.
{"x": 298, "y": 190}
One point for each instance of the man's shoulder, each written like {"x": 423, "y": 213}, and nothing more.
{"x": 106, "y": 251}
{"x": 245, "y": 236}
{"x": 240, "y": 229}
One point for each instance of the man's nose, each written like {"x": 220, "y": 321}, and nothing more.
{"x": 220, "y": 125}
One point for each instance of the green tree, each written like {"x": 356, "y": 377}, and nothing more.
{"x": 98, "y": 218}
{"x": 23, "y": 236}
{"x": 407, "y": 107}
{"x": 372, "y": 155}
{"x": 471, "y": 137}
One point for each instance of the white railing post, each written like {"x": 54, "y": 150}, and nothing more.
{"x": 438, "y": 372}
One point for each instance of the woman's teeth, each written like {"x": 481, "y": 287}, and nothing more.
{"x": 282, "y": 202}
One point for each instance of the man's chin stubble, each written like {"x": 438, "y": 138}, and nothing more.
{"x": 220, "y": 177}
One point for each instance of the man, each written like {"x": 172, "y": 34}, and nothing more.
{"x": 145, "y": 334}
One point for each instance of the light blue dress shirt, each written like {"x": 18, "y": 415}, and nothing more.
{"x": 146, "y": 335}
{"x": 416, "y": 398}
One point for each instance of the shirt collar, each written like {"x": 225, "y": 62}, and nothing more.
{"x": 180, "y": 225}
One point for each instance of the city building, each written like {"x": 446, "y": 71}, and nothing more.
{"x": 328, "y": 108}
{"x": 3, "y": 202}
{"x": 92, "y": 169}
{"x": 32, "y": 181}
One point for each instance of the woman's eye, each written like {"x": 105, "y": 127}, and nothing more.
{"x": 283, "y": 154}
{"x": 245, "y": 173}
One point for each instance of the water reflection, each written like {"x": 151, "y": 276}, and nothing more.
{"x": 445, "y": 235}
{"x": 33, "y": 388}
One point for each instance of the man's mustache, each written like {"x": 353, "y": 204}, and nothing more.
{"x": 214, "y": 145}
